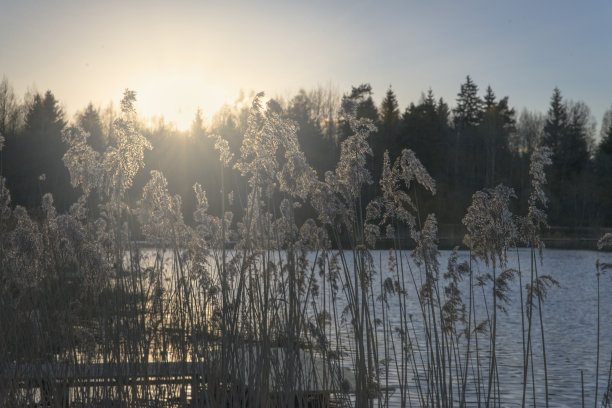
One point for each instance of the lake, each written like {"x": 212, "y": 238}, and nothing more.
{"x": 570, "y": 327}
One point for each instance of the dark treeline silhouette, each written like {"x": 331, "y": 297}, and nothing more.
{"x": 477, "y": 142}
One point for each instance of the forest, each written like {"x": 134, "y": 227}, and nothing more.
{"x": 477, "y": 141}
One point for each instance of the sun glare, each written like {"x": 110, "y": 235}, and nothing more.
{"x": 177, "y": 98}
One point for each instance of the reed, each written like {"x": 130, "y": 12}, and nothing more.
{"x": 262, "y": 310}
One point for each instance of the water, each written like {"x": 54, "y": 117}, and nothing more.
{"x": 570, "y": 327}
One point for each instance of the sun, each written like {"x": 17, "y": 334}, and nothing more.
{"x": 176, "y": 96}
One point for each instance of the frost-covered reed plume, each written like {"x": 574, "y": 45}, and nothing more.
{"x": 536, "y": 289}
{"x": 261, "y": 304}
{"x": 491, "y": 231}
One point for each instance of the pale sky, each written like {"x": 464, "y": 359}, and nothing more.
{"x": 181, "y": 55}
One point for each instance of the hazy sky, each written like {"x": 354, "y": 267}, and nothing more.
{"x": 179, "y": 55}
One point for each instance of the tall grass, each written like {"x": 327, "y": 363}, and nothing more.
{"x": 262, "y": 310}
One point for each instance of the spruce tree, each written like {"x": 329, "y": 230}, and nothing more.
{"x": 489, "y": 99}
{"x": 389, "y": 114}
{"x": 566, "y": 133}
{"x": 89, "y": 120}
{"x": 468, "y": 149}
{"x": 386, "y": 138}
{"x": 361, "y": 98}
{"x": 197, "y": 130}
{"x": 425, "y": 130}
{"x": 497, "y": 124}
{"x": 603, "y": 172}
{"x": 316, "y": 148}
{"x": 468, "y": 112}
{"x": 36, "y": 165}
{"x": 556, "y": 125}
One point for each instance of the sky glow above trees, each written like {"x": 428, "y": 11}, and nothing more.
{"x": 183, "y": 55}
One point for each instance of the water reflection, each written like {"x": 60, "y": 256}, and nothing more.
{"x": 183, "y": 323}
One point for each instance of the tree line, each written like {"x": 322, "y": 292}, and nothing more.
{"x": 478, "y": 142}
